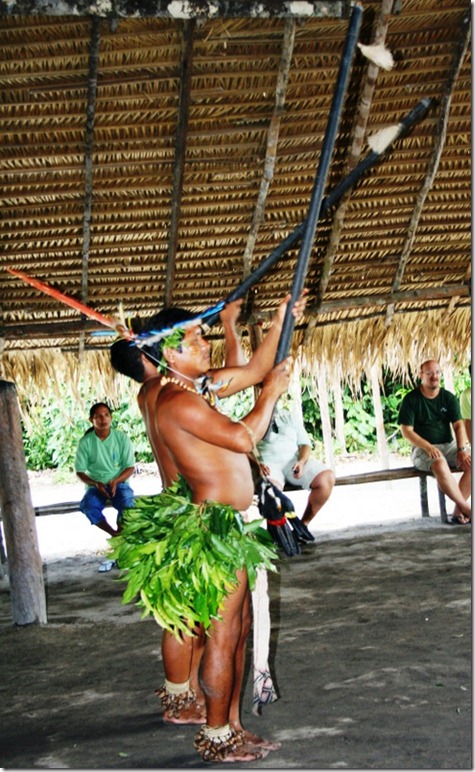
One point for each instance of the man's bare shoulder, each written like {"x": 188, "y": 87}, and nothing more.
{"x": 148, "y": 393}
{"x": 151, "y": 386}
{"x": 172, "y": 392}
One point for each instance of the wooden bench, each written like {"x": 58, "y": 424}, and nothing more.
{"x": 379, "y": 475}
{"x": 384, "y": 475}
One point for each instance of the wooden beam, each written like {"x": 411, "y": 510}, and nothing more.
{"x": 408, "y": 296}
{"x": 88, "y": 159}
{"x": 462, "y": 46}
{"x": 64, "y": 329}
{"x": 178, "y": 9}
{"x": 180, "y": 155}
{"x": 359, "y": 132}
{"x": 272, "y": 141}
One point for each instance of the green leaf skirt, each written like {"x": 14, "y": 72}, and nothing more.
{"x": 179, "y": 559}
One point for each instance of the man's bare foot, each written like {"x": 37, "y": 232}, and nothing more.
{"x": 190, "y": 714}
{"x": 244, "y": 753}
{"x": 226, "y": 745}
{"x": 254, "y": 740}
{"x": 459, "y": 519}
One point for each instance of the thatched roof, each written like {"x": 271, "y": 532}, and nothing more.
{"x": 147, "y": 159}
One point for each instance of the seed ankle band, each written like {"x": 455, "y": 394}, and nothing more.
{"x": 172, "y": 703}
{"x": 173, "y": 688}
{"x": 215, "y": 743}
{"x": 219, "y": 733}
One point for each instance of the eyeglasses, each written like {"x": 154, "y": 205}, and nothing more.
{"x": 431, "y": 372}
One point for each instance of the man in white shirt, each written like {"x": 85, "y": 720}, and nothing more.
{"x": 286, "y": 455}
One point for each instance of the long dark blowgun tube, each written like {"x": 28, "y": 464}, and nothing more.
{"x": 414, "y": 116}
{"x": 320, "y": 181}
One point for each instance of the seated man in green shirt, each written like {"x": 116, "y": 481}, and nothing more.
{"x": 104, "y": 461}
{"x": 429, "y": 417}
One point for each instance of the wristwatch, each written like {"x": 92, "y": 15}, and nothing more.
{"x": 461, "y": 450}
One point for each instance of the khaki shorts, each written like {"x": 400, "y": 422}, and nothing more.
{"x": 310, "y": 470}
{"x": 421, "y": 460}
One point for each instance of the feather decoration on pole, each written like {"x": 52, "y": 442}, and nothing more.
{"x": 378, "y": 54}
{"x": 320, "y": 180}
{"x": 379, "y": 141}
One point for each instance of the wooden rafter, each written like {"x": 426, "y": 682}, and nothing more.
{"x": 180, "y": 155}
{"x": 88, "y": 158}
{"x": 64, "y": 328}
{"x": 359, "y": 131}
{"x": 272, "y": 141}
{"x": 184, "y": 9}
{"x": 434, "y": 161}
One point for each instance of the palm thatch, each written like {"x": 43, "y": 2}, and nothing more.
{"x": 147, "y": 159}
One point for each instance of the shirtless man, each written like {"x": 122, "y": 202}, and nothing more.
{"x": 181, "y": 659}
{"x": 190, "y": 437}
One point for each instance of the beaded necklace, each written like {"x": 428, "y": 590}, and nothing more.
{"x": 207, "y": 395}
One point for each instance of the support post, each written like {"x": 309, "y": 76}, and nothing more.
{"x": 25, "y": 568}
{"x": 442, "y": 506}
{"x": 423, "y": 496}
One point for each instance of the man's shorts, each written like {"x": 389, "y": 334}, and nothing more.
{"x": 421, "y": 460}
{"x": 283, "y": 475}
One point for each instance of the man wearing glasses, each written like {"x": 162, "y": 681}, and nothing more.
{"x": 430, "y": 419}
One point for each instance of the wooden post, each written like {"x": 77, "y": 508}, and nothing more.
{"x": 24, "y": 561}
{"x": 339, "y": 416}
{"x": 378, "y": 413}
{"x": 325, "y": 414}
{"x": 448, "y": 373}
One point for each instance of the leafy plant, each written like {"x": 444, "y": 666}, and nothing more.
{"x": 181, "y": 558}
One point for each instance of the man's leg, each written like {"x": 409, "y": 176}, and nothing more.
{"x": 239, "y": 663}
{"x": 320, "y": 491}
{"x": 234, "y": 711}
{"x": 92, "y": 505}
{"x": 220, "y": 675}
{"x": 124, "y": 497}
{"x": 181, "y": 695}
{"x": 457, "y": 492}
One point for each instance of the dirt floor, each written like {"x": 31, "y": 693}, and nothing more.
{"x": 371, "y": 656}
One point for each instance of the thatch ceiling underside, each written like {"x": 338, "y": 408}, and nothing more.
{"x": 153, "y": 160}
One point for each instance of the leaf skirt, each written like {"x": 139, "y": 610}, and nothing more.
{"x": 179, "y": 559}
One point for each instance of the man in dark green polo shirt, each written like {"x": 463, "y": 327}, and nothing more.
{"x": 431, "y": 421}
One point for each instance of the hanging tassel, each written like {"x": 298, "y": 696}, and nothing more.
{"x": 379, "y": 55}
{"x": 382, "y": 139}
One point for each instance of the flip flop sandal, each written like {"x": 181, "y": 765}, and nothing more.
{"x": 107, "y": 565}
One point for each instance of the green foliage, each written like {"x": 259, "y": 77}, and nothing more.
{"x": 360, "y": 424}
{"x": 180, "y": 559}
{"x": 52, "y": 429}
{"x": 238, "y": 405}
